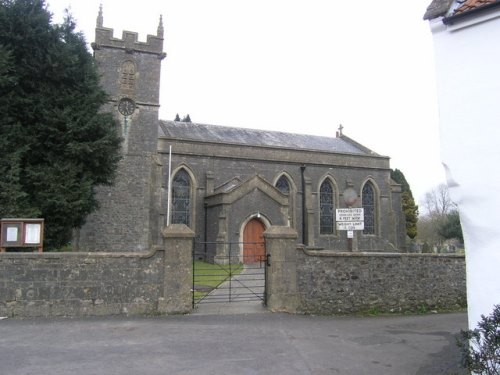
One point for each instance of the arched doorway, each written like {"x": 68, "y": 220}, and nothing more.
{"x": 254, "y": 249}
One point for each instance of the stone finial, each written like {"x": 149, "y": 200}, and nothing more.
{"x": 160, "y": 31}
{"x": 100, "y": 20}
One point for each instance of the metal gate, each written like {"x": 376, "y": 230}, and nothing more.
{"x": 231, "y": 277}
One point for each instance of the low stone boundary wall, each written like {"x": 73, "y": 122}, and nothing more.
{"x": 345, "y": 283}
{"x": 77, "y": 284}
{"x": 331, "y": 282}
{"x": 159, "y": 282}
{"x": 87, "y": 284}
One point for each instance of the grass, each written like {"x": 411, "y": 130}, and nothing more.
{"x": 208, "y": 276}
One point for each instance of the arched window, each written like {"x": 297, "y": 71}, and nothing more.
{"x": 326, "y": 208}
{"x": 368, "y": 202}
{"x": 181, "y": 198}
{"x": 128, "y": 75}
{"x": 283, "y": 185}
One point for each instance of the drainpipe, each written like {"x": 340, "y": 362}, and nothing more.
{"x": 304, "y": 209}
{"x": 205, "y": 206}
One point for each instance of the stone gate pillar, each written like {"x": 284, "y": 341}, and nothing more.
{"x": 178, "y": 278}
{"x": 281, "y": 279}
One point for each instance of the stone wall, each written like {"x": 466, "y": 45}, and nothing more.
{"x": 88, "y": 284}
{"x": 344, "y": 283}
{"x": 159, "y": 281}
{"x": 220, "y": 163}
{"x": 330, "y": 282}
{"x": 76, "y": 284}
{"x": 123, "y": 223}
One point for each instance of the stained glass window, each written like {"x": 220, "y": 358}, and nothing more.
{"x": 283, "y": 185}
{"x": 181, "y": 199}
{"x": 326, "y": 208}
{"x": 368, "y": 201}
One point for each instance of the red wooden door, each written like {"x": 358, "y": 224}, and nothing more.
{"x": 253, "y": 238}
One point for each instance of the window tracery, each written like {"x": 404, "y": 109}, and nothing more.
{"x": 283, "y": 185}
{"x": 368, "y": 202}
{"x": 181, "y": 198}
{"x": 326, "y": 208}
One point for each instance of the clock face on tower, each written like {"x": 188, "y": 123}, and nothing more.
{"x": 126, "y": 106}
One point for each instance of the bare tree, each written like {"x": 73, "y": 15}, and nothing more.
{"x": 440, "y": 218}
{"x": 437, "y": 202}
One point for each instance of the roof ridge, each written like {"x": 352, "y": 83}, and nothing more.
{"x": 248, "y": 129}
{"x": 358, "y": 145}
{"x": 222, "y": 134}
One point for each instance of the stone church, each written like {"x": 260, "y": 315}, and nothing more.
{"x": 227, "y": 184}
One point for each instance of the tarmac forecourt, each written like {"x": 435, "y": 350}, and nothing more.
{"x": 237, "y": 343}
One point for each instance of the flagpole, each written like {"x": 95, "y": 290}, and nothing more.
{"x": 169, "y": 193}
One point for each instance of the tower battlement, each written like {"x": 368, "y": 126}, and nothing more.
{"x": 104, "y": 37}
{"x": 129, "y": 42}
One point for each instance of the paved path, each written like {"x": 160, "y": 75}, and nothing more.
{"x": 263, "y": 343}
{"x": 243, "y": 294}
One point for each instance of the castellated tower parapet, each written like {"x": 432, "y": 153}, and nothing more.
{"x": 104, "y": 38}
{"x": 129, "y": 42}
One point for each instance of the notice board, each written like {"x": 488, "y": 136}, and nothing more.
{"x": 21, "y": 233}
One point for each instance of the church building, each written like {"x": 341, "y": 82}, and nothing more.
{"x": 227, "y": 184}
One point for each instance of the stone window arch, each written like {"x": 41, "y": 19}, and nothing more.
{"x": 181, "y": 198}
{"x": 283, "y": 184}
{"x": 369, "y": 202}
{"x": 327, "y": 200}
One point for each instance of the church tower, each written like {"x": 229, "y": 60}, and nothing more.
{"x": 127, "y": 219}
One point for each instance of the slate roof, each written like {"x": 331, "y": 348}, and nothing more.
{"x": 437, "y": 8}
{"x": 440, "y": 8}
{"x": 252, "y": 137}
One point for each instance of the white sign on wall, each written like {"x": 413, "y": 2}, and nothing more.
{"x": 350, "y": 214}
{"x": 350, "y": 225}
{"x": 350, "y": 218}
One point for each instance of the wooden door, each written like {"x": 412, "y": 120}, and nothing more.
{"x": 253, "y": 237}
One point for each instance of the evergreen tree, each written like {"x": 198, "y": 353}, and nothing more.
{"x": 55, "y": 143}
{"x": 177, "y": 118}
{"x": 410, "y": 209}
{"x": 451, "y": 228}
{"x": 441, "y": 219}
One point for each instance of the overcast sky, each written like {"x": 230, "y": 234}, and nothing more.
{"x": 295, "y": 66}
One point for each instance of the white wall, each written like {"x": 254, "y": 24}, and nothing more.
{"x": 468, "y": 81}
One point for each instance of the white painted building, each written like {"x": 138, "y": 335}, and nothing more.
{"x": 466, "y": 36}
